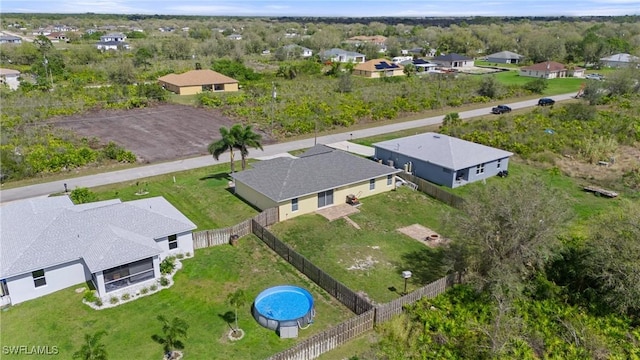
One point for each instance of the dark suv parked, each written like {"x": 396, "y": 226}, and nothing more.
{"x": 501, "y": 109}
{"x": 546, "y": 102}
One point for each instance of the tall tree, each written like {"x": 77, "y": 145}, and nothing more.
{"x": 245, "y": 138}
{"x": 226, "y": 143}
{"x": 92, "y": 349}
{"x": 172, "y": 332}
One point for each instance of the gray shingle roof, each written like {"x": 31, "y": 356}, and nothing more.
{"x": 621, "y": 58}
{"x": 42, "y": 232}
{"x": 505, "y": 55}
{"x": 445, "y": 151}
{"x": 319, "y": 169}
{"x": 336, "y": 52}
{"x": 451, "y": 57}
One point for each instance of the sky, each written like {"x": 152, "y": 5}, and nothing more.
{"x": 322, "y": 8}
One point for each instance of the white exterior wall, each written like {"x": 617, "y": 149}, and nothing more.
{"x": 100, "y": 276}
{"x": 21, "y": 287}
{"x": 185, "y": 245}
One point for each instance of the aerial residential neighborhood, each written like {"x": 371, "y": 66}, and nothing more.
{"x": 310, "y": 181}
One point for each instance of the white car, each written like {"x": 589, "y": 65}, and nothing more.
{"x": 594, "y": 77}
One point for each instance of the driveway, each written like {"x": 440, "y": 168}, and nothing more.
{"x": 269, "y": 150}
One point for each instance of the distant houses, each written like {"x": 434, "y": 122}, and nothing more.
{"x": 551, "y": 70}
{"x": 10, "y": 39}
{"x": 505, "y": 57}
{"x": 453, "y": 61}
{"x": 197, "y": 81}
{"x": 620, "y": 60}
{"x": 343, "y": 56}
{"x": 378, "y": 68}
{"x": 113, "y": 41}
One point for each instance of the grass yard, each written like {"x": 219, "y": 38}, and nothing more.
{"x": 372, "y": 259}
{"x": 556, "y": 86}
{"x": 201, "y": 194}
{"x": 198, "y": 297}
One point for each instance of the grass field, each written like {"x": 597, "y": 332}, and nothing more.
{"x": 556, "y": 86}
{"x": 198, "y": 296}
{"x": 372, "y": 259}
{"x": 201, "y": 194}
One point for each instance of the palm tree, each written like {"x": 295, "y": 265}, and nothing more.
{"x": 228, "y": 142}
{"x": 92, "y": 349}
{"x": 237, "y": 299}
{"x": 245, "y": 138}
{"x": 172, "y": 331}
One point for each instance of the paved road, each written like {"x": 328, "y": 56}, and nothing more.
{"x": 202, "y": 161}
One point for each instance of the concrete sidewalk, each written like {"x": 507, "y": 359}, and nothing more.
{"x": 269, "y": 150}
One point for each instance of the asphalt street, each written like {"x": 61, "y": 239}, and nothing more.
{"x": 202, "y": 161}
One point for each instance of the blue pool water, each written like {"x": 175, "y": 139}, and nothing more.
{"x": 284, "y": 303}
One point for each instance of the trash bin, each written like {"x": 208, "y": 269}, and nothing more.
{"x": 233, "y": 240}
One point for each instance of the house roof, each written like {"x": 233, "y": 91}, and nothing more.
{"x": 9, "y": 38}
{"x": 319, "y": 169}
{"x": 546, "y": 66}
{"x": 505, "y": 55}
{"x": 5, "y": 72}
{"x": 442, "y": 150}
{"x": 451, "y": 57}
{"x": 197, "y": 77}
{"x": 295, "y": 47}
{"x": 622, "y": 57}
{"x": 44, "y": 232}
{"x": 378, "y": 65}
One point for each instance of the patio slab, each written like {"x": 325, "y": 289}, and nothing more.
{"x": 336, "y": 212}
{"x": 423, "y": 234}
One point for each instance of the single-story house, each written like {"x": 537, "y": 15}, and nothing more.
{"x": 378, "y": 68}
{"x": 49, "y": 244}
{"x": 443, "y": 159}
{"x": 620, "y": 60}
{"x": 454, "y": 61}
{"x": 112, "y": 45}
{"x": 505, "y": 57}
{"x": 10, "y": 39}
{"x": 234, "y": 37}
{"x": 113, "y": 37}
{"x": 421, "y": 65}
{"x": 546, "y": 70}
{"x": 10, "y": 77}
{"x": 298, "y": 50}
{"x": 319, "y": 178}
{"x": 197, "y": 81}
{"x": 343, "y": 56}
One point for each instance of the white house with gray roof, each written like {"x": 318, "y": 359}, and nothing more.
{"x": 49, "y": 244}
{"x": 443, "y": 159}
{"x": 343, "y": 56}
{"x": 505, "y": 57}
{"x": 620, "y": 60}
{"x": 319, "y": 178}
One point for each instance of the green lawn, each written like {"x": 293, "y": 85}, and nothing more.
{"x": 556, "y": 86}
{"x": 201, "y": 194}
{"x": 198, "y": 297}
{"x": 372, "y": 259}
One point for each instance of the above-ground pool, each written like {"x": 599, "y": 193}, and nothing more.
{"x": 283, "y": 306}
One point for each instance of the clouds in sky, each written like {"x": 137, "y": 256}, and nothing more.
{"x": 351, "y": 8}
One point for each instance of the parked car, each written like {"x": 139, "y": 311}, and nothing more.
{"x": 546, "y": 102}
{"x": 501, "y": 109}
{"x": 594, "y": 77}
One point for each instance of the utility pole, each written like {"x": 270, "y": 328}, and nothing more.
{"x": 274, "y": 95}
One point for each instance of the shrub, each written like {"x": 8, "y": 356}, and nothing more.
{"x": 153, "y": 287}
{"x": 188, "y": 254}
{"x": 144, "y": 290}
{"x": 125, "y": 297}
{"x": 89, "y": 296}
{"x": 168, "y": 265}
{"x": 164, "y": 281}
{"x": 114, "y": 300}
{"x": 536, "y": 86}
{"x": 82, "y": 195}
{"x": 180, "y": 256}
{"x": 98, "y": 302}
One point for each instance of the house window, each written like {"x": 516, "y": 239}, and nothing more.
{"x": 129, "y": 274}
{"x": 173, "y": 242}
{"x": 480, "y": 169}
{"x": 294, "y": 204}
{"x": 325, "y": 198}
{"x": 218, "y": 87}
{"x": 38, "y": 278}
{"x": 372, "y": 184}
{"x": 389, "y": 180}
{"x": 207, "y": 87}
{"x": 4, "y": 290}
{"x": 499, "y": 160}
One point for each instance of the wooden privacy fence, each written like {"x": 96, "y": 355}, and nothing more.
{"x": 329, "y": 339}
{"x": 207, "y": 238}
{"x": 346, "y": 296}
{"x": 434, "y": 191}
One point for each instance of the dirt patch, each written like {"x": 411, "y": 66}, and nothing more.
{"x": 423, "y": 234}
{"x": 363, "y": 264}
{"x": 627, "y": 159}
{"x": 158, "y": 133}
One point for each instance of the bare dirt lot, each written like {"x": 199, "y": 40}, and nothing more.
{"x": 154, "y": 134}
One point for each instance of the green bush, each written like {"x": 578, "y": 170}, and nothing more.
{"x": 153, "y": 287}
{"x": 536, "y": 86}
{"x": 82, "y": 196}
{"x": 98, "y": 302}
{"x": 125, "y": 297}
{"x": 114, "y": 300}
{"x": 144, "y": 291}
{"x": 180, "y": 256}
{"x": 168, "y": 265}
{"x": 90, "y": 296}
{"x": 164, "y": 281}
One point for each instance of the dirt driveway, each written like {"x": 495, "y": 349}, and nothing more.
{"x": 154, "y": 134}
